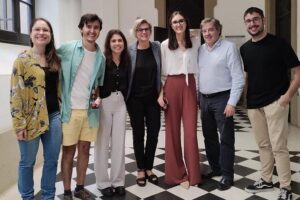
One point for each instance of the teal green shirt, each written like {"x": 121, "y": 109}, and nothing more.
{"x": 71, "y": 54}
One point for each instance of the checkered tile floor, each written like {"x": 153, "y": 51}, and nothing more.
{"x": 246, "y": 172}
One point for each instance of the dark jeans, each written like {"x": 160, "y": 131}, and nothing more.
{"x": 219, "y": 152}
{"x": 144, "y": 111}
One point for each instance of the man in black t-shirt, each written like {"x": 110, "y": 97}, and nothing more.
{"x": 267, "y": 61}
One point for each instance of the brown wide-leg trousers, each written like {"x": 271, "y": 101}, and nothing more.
{"x": 182, "y": 104}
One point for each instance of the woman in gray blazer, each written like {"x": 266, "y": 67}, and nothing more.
{"x": 142, "y": 105}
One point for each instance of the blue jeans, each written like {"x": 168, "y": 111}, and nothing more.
{"x": 219, "y": 151}
{"x": 51, "y": 140}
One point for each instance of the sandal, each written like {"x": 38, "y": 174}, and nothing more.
{"x": 152, "y": 178}
{"x": 142, "y": 180}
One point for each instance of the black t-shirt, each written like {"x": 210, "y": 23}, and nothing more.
{"x": 267, "y": 63}
{"x": 51, "y": 79}
{"x": 145, "y": 74}
{"x": 115, "y": 79}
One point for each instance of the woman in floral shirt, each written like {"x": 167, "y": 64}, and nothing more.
{"x": 35, "y": 109}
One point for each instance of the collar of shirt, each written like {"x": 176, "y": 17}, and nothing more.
{"x": 80, "y": 45}
{"x": 217, "y": 44}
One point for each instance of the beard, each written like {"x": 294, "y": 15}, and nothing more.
{"x": 259, "y": 31}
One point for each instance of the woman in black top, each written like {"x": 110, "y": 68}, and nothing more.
{"x": 111, "y": 137}
{"x": 142, "y": 105}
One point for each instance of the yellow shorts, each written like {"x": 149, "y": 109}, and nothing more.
{"x": 77, "y": 129}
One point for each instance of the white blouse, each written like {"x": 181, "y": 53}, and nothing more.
{"x": 175, "y": 62}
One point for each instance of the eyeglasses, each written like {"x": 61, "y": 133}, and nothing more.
{"x": 143, "y": 29}
{"x": 254, "y": 20}
{"x": 181, "y": 21}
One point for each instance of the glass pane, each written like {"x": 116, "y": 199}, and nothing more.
{"x": 10, "y": 16}
{"x": 27, "y": 1}
{"x": 25, "y": 18}
{"x": 6, "y": 14}
{"x": 2, "y": 14}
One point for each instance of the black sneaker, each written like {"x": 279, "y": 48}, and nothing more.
{"x": 285, "y": 194}
{"x": 107, "y": 192}
{"x": 68, "y": 197}
{"x": 259, "y": 186}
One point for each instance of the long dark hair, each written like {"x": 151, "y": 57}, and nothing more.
{"x": 52, "y": 58}
{"x": 173, "y": 44}
{"x": 125, "y": 58}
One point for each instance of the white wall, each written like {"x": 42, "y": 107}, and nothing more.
{"x": 107, "y": 11}
{"x": 129, "y": 10}
{"x": 230, "y": 13}
{"x": 8, "y": 55}
{"x": 120, "y": 14}
{"x": 64, "y": 17}
{"x": 5, "y": 116}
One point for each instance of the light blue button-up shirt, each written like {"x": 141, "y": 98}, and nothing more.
{"x": 220, "y": 69}
{"x": 71, "y": 55}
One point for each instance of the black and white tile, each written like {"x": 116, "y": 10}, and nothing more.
{"x": 247, "y": 168}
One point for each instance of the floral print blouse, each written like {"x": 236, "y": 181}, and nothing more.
{"x": 27, "y": 96}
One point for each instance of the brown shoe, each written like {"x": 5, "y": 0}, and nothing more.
{"x": 68, "y": 197}
{"x": 84, "y": 195}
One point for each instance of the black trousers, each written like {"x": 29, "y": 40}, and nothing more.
{"x": 219, "y": 150}
{"x": 144, "y": 112}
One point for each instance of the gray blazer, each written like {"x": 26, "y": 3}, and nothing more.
{"x": 157, "y": 55}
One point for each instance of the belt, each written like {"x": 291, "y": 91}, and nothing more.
{"x": 215, "y": 94}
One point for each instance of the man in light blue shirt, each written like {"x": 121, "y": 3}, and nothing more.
{"x": 82, "y": 71}
{"x": 221, "y": 82}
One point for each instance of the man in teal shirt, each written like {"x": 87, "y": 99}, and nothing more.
{"x": 83, "y": 66}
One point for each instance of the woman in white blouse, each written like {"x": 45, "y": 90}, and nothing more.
{"x": 178, "y": 99}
